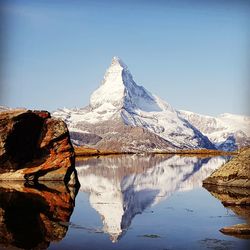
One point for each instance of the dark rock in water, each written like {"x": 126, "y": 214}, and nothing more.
{"x": 33, "y": 216}
{"x": 34, "y": 146}
{"x": 236, "y": 199}
{"x": 235, "y": 173}
{"x": 240, "y": 230}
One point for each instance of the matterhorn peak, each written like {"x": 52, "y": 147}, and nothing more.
{"x": 119, "y": 105}
{"x": 117, "y": 61}
{"x": 116, "y": 81}
{"x": 117, "y": 72}
{"x": 119, "y": 91}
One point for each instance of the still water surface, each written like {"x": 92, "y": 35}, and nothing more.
{"x": 128, "y": 202}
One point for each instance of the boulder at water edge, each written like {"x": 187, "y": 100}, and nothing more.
{"x": 35, "y": 147}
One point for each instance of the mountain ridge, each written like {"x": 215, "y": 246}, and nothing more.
{"x": 227, "y": 131}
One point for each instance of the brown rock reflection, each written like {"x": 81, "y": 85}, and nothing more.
{"x": 33, "y": 216}
{"x": 237, "y": 200}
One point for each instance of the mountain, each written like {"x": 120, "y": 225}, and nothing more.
{"x": 123, "y": 116}
{"x": 4, "y": 108}
{"x": 227, "y": 131}
{"x": 121, "y": 187}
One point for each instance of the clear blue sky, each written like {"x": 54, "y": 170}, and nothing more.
{"x": 192, "y": 54}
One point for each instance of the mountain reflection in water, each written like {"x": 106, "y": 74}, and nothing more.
{"x": 33, "y": 216}
{"x": 120, "y": 187}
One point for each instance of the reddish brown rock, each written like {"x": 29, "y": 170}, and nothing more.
{"x": 34, "y": 146}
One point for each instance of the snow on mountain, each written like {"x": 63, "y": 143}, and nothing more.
{"x": 4, "y": 108}
{"x": 227, "y": 131}
{"x": 119, "y": 107}
{"x": 118, "y": 90}
{"x": 121, "y": 187}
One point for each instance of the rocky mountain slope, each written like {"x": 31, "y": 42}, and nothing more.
{"x": 126, "y": 117}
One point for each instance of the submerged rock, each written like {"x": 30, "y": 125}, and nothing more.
{"x": 34, "y": 146}
{"x": 33, "y": 216}
{"x": 235, "y": 173}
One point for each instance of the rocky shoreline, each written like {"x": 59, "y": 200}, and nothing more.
{"x": 235, "y": 173}
{"x": 231, "y": 185}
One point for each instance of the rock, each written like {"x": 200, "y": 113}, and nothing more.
{"x": 34, "y": 146}
{"x": 33, "y": 216}
{"x": 235, "y": 173}
{"x": 240, "y": 230}
{"x": 237, "y": 200}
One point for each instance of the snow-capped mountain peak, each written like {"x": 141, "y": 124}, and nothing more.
{"x": 117, "y": 61}
{"x": 118, "y": 90}
{"x": 127, "y": 114}
{"x": 112, "y": 89}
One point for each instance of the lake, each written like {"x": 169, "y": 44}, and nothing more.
{"x": 124, "y": 202}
